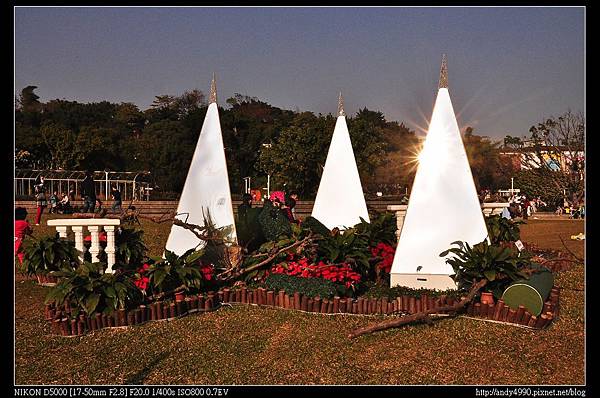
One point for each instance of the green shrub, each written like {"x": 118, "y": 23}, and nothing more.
{"x": 130, "y": 250}
{"x": 499, "y": 265}
{"x": 47, "y": 254}
{"x": 93, "y": 291}
{"x": 501, "y": 229}
{"x": 175, "y": 272}
{"x": 311, "y": 287}
{"x": 273, "y": 223}
{"x": 347, "y": 247}
{"x": 382, "y": 228}
{"x": 248, "y": 228}
{"x": 316, "y": 226}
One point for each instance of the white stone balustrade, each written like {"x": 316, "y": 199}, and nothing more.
{"x": 487, "y": 208}
{"x": 94, "y": 225}
{"x": 493, "y": 208}
{"x": 400, "y": 214}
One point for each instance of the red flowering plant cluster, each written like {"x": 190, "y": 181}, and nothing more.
{"x": 338, "y": 273}
{"x": 386, "y": 253}
{"x": 207, "y": 271}
{"x": 140, "y": 279}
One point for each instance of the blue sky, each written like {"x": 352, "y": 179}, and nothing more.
{"x": 509, "y": 68}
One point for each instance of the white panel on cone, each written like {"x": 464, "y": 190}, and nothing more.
{"x": 340, "y": 201}
{"x": 443, "y": 206}
{"x": 206, "y": 187}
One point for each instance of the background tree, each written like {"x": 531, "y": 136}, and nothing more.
{"x": 161, "y": 139}
{"x": 555, "y": 152}
{"x": 367, "y": 135}
{"x": 28, "y": 100}
{"x": 60, "y": 142}
{"x": 297, "y": 157}
{"x": 489, "y": 171}
{"x": 395, "y": 174}
{"x": 246, "y": 126}
{"x": 165, "y": 148}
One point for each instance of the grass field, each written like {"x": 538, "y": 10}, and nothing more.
{"x": 250, "y": 345}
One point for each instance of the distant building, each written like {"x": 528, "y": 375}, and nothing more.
{"x": 556, "y": 158}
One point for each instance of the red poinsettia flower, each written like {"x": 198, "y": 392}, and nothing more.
{"x": 142, "y": 282}
{"x": 339, "y": 273}
{"x": 207, "y": 271}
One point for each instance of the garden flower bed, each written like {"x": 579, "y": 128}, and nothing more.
{"x": 326, "y": 272}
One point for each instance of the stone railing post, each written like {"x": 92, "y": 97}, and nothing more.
{"x": 490, "y": 209}
{"x": 95, "y": 247}
{"x": 62, "y": 231}
{"x": 110, "y": 247}
{"x": 78, "y": 231}
{"x": 400, "y": 211}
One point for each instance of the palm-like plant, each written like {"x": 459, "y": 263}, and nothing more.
{"x": 91, "y": 290}
{"x": 176, "y": 273}
{"x": 129, "y": 248}
{"x": 496, "y": 264}
{"x": 47, "y": 254}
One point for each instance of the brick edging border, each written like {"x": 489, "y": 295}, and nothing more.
{"x": 62, "y": 325}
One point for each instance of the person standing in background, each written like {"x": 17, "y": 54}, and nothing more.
{"x": 294, "y": 195}
{"x": 40, "y": 198}
{"x": 53, "y": 203}
{"x": 22, "y": 228}
{"x": 88, "y": 192}
{"x": 116, "y": 195}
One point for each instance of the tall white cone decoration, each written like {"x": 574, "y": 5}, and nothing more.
{"x": 340, "y": 201}
{"x": 206, "y": 189}
{"x": 443, "y": 205}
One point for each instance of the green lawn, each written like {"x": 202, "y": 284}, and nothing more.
{"x": 251, "y": 345}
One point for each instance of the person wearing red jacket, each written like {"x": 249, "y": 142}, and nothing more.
{"x": 22, "y": 228}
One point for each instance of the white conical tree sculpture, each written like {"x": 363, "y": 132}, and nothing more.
{"x": 340, "y": 201}
{"x": 443, "y": 205}
{"x": 206, "y": 189}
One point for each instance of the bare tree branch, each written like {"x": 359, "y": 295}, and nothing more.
{"x": 420, "y": 316}
{"x": 233, "y": 273}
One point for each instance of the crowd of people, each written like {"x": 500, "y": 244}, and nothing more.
{"x": 522, "y": 206}
{"x": 285, "y": 202}
{"x": 573, "y": 210}
{"x": 62, "y": 205}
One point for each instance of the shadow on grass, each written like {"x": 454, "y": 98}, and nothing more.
{"x": 139, "y": 377}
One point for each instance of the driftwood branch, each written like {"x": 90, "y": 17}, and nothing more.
{"x": 231, "y": 273}
{"x": 420, "y": 316}
{"x": 194, "y": 228}
{"x": 168, "y": 216}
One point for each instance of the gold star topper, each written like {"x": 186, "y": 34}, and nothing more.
{"x": 341, "y": 105}
{"x": 213, "y": 90}
{"x": 443, "y": 73}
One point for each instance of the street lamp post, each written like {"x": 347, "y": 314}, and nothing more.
{"x": 268, "y": 146}
{"x": 247, "y": 184}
